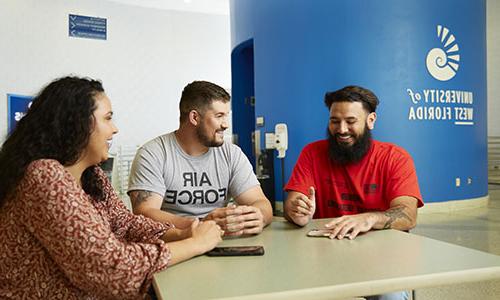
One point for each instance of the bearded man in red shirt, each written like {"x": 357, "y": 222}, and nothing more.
{"x": 362, "y": 183}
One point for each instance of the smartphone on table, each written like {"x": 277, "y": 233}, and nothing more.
{"x": 236, "y": 251}
{"x": 319, "y": 232}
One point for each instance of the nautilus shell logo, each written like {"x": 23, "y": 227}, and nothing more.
{"x": 442, "y": 63}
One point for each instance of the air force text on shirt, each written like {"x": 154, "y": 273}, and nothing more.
{"x": 198, "y": 189}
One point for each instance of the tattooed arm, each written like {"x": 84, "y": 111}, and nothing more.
{"x": 148, "y": 204}
{"x": 402, "y": 215}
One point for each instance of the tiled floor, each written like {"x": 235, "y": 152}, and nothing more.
{"x": 477, "y": 228}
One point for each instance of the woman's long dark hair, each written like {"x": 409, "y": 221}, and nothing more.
{"x": 57, "y": 126}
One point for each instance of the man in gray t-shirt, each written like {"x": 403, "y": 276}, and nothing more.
{"x": 191, "y": 173}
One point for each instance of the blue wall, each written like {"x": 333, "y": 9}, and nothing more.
{"x": 304, "y": 48}
{"x": 242, "y": 91}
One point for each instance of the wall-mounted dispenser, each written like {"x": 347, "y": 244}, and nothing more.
{"x": 281, "y": 139}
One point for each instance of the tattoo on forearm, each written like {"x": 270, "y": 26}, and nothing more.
{"x": 395, "y": 214}
{"x": 137, "y": 197}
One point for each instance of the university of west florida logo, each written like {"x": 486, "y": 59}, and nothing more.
{"x": 442, "y": 62}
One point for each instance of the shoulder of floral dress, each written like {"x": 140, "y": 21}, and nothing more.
{"x": 103, "y": 178}
{"x": 99, "y": 172}
{"x": 50, "y": 167}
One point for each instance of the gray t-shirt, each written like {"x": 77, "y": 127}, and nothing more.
{"x": 191, "y": 185}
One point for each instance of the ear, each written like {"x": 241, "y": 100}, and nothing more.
{"x": 370, "y": 120}
{"x": 194, "y": 117}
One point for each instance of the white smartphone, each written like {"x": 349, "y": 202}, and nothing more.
{"x": 319, "y": 233}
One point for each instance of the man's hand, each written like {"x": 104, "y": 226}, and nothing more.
{"x": 303, "y": 206}
{"x": 219, "y": 215}
{"x": 350, "y": 226}
{"x": 249, "y": 221}
{"x": 300, "y": 208}
{"x": 402, "y": 215}
{"x": 238, "y": 220}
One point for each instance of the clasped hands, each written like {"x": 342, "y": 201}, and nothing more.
{"x": 238, "y": 220}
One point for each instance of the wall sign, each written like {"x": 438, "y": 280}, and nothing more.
{"x": 87, "y": 27}
{"x": 449, "y": 105}
{"x": 17, "y": 106}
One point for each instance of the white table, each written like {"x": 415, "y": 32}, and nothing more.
{"x": 295, "y": 266}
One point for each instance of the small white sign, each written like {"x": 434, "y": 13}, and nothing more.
{"x": 270, "y": 140}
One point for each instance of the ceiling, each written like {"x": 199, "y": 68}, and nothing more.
{"x": 203, "y": 6}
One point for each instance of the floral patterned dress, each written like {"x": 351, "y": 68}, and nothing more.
{"x": 57, "y": 242}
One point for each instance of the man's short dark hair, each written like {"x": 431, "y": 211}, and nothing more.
{"x": 199, "y": 95}
{"x": 353, "y": 93}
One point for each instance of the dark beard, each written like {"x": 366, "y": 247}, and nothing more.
{"x": 205, "y": 140}
{"x": 343, "y": 154}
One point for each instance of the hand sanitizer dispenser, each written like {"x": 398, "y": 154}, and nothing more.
{"x": 281, "y": 139}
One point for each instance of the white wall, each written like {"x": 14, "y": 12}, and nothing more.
{"x": 148, "y": 57}
{"x": 493, "y": 57}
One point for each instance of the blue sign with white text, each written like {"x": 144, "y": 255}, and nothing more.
{"x": 87, "y": 27}
{"x": 17, "y": 106}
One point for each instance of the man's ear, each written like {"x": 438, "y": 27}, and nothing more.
{"x": 370, "y": 120}
{"x": 194, "y": 117}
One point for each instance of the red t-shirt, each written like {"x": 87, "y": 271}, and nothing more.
{"x": 386, "y": 172}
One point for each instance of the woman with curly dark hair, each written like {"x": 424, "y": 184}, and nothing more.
{"x": 64, "y": 232}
